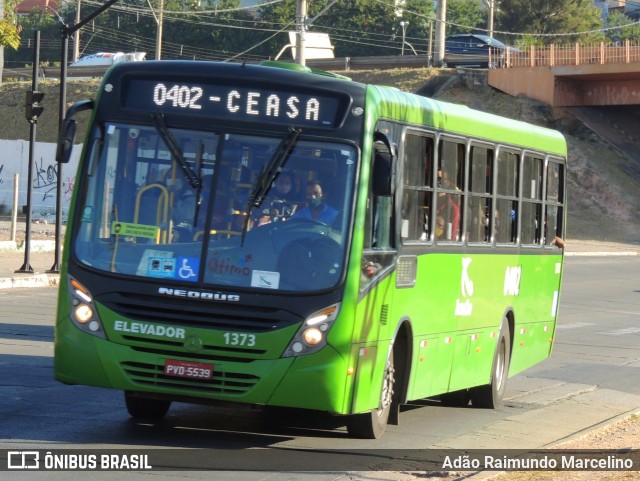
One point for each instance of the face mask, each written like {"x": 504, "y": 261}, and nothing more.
{"x": 315, "y": 202}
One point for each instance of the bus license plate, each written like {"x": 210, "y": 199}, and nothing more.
{"x": 192, "y": 370}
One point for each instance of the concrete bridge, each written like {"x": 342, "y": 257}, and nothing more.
{"x": 572, "y": 76}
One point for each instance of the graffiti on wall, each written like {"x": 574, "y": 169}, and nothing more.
{"x": 14, "y": 159}
{"x": 46, "y": 180}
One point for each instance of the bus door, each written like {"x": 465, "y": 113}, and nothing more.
{"x": 373, "y": 332}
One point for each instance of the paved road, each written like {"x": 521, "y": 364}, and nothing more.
{"x": 591, "y": 379}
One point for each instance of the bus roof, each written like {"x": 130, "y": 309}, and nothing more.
{"x": 461, "y": 119}
{"x": 391, "y": 103}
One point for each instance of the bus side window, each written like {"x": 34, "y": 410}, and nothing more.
{"x": 417, "y": 198}
{"x": 506, "y": 213}
{"x": 553, "y": 226}
{"x": 481, "y": 190}
{"x": 531, "y": 217}
{"x": 450, "y": 185}
{"x": 379, "y": 246}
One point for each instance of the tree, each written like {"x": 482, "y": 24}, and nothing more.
{"x": 465, "y": 16}
{"x": 37, "y": 20}
{"x": 9, "y": 35}
{"x": 627, "y": 29}
{"x": 357, "y": 27}
{"x": 550, "y": 17}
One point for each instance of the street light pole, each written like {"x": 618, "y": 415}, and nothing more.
{"x": 404, "y": 26}
{"x": 65, "y": 33}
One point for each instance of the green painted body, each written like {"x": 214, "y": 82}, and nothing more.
{"x": 453, "y": 328}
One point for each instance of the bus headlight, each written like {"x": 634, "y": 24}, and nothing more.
{"x": 312, "y": 335}
{"x": 83, "y": 312}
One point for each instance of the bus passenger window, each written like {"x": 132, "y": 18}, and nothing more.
{"x": 553, "y": 225}
{"x": 506, "y": 211}
{"x": 531, "y": 218}
{"x": 417, "y": 198}
{"x": 448, "y": 214}
{"x": 480, "y": 187}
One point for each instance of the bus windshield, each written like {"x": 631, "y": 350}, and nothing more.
{"x": 177, "y": 204}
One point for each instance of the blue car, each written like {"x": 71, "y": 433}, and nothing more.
{"x": 472, "y": 50}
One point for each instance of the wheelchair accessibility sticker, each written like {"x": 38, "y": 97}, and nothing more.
{"x": 181, "y": 268}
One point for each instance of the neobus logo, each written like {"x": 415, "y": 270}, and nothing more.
{"x": 206, "y": 296}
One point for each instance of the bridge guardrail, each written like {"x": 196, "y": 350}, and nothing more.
{"x": 576, "y": 54}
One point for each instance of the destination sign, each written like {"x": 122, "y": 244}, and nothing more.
{"x": 235, "y": 103}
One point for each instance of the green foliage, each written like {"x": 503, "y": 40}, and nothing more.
{"x": 550, "y": 17}
{"x": 9, "y": 32}
{"x": 9, "y": 36}
{"x": 461, "y": 13}
{"x": 621, "y": 28}
{"x": 358, "y": 27}
{"x": 220, "y": 30}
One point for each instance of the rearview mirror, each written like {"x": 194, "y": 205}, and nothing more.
{"x": 67, "y": 133}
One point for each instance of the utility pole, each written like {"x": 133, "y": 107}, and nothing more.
{"x": 76, "y": 36}
{"x": 301, "y": 18}
{"x": 492, "y": 6}
{"x": 441, "y": 30}
{"x": 159, "y": 19}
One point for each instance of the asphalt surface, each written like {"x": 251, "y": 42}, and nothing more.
{"x": 37, "y": 267}
{"x": 34, "y": 269}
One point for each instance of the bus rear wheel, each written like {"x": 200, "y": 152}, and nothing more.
{"x": 490, "y": 395}
{"x": 372, "y": 425}
{"x": 146, "y": 409}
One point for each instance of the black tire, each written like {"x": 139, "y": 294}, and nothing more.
{"x": 490, "y": 395}
{"x": 372, "y": 425}
{"x": 146, "y": 409}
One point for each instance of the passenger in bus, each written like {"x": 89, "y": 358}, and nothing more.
{"x": 284, "y": 187}
{"x": 282, "y": 200}
{"x": 316, "y": 208}
{"x": 183, "y": 213}
{"x": 447, "y": 217}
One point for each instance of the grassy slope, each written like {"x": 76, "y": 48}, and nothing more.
{"x": 603, "y": 200}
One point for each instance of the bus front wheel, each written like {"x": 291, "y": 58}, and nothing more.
{"x": 372, "y": 425}
{"x": 490, "y": 395}
{"x": 146, "y": 409}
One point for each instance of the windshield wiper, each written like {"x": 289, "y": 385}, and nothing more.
{"x": 270, "y": 172}
{"x": 174, "y": 148}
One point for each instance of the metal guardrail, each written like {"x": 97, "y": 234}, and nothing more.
{"x": 534, "y": 56}
{"x": 345, "y": 63}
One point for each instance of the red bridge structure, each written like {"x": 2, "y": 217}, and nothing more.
{"x": 572, "y": 76}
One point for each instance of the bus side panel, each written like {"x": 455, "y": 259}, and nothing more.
{"x": 456, "y": 309}
{"x": 536, "y": 310}
{"x": 431, "y": 366}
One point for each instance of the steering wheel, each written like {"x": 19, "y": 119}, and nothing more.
{"x": 310, "y": 263}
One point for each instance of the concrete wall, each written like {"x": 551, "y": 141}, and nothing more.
{"x": 14, "y": 159}
{"x": 532, "y": 82}
{"x": 565, "y": 86}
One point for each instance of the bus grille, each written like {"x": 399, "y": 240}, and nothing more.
{"x": 198, "y": 313}
{"x": 207, "y": 353}
{"x": 226, "y": 383}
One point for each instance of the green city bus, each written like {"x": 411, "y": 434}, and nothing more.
{"x": 425, "y": 262}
